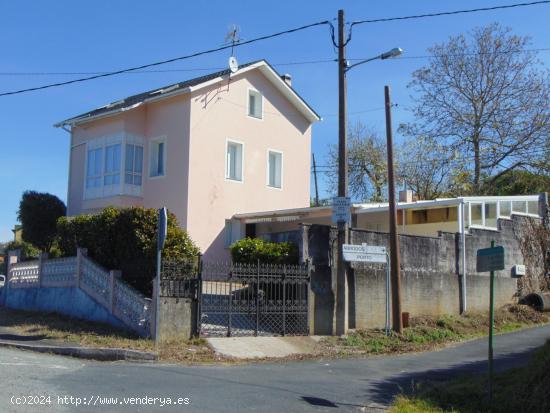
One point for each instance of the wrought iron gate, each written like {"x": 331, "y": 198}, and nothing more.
{"x": 257, "y": 299}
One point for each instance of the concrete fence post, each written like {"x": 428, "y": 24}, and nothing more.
{"x": 41, "y": 261}
{"x": 13, "y": 258}
{"x": 80, "y": 252}
{"x": 113, "y": 276}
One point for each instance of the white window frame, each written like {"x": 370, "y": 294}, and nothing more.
{"x": 156, "y": 141}
{"x": 249, "y": 91}
{"x": 226, "y": 174}
{"x": 105, "y": 191}
{"x": 269, "y": 150}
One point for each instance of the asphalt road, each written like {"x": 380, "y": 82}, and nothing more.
{"x": 311, "y": 386}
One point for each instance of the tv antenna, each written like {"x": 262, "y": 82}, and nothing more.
{"x": 233, "y": 37}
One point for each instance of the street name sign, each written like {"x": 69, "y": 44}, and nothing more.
{"x": 364, "y": 253}
{"x": 490, "y": 259}
{"x": 341, "y": 209}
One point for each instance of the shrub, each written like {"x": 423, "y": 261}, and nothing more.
{"x": 38, "y": 214}
{"x": 28, "y": 252}
{"x": 250, "y": 250}
{"x": 125, "y": 239}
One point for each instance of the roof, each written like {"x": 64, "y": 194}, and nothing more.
{"x": 366, "y": 208}
{"x": 134, "y": 101}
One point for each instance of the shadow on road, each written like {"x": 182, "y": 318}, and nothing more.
{"x": 385, "y": 390}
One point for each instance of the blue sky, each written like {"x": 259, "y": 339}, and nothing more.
{"x": 96, "y": 36}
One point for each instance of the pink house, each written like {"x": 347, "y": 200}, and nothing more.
{"x": 207, "y": 149}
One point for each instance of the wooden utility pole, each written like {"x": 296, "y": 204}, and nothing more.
{"x": 397, "y": 322}
{"x": 315, "y": 180}
{"x": 341, "y": 282}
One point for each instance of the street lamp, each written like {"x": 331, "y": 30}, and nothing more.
{"x": 395, "y": 52}
{"x": 341, "y": 324}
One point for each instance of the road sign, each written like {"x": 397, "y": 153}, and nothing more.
{"x": 373, "y": 249}
{"x": 490, "y": 259}
{"x": 162, "y": 227}
{"x": 341, "y": 209}
{"x": 364, "y": 253}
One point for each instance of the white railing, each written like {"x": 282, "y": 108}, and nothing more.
{"x": 105, "y": 287}
{"x": 24, "y": 275}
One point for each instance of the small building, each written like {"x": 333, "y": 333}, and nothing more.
{"x": 423, "y": 218}
{"x": 207, "y": 149}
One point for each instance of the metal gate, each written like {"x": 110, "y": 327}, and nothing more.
{"x": 253, "y": 299}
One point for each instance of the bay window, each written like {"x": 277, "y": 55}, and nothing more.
{"x": 105, "y": 174}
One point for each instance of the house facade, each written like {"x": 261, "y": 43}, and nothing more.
{"x": 207, "y": 149}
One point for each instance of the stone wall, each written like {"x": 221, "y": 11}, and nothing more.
{"x": 430, "y": 274}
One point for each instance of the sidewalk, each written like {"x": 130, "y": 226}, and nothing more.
{"x": 41, "y": 343}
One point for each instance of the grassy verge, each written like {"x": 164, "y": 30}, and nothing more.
{"x": 48, "y": 326}
{"x": 427, "y": 333}
{"x": 526, "y": 389}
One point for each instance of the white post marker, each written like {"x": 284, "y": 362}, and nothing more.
{"x": 376, "y": 254}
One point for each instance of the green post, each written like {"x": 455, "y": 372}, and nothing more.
{"x": 491, "y": 323}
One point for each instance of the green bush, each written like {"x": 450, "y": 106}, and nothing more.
{"x": 28, "y": 252}
{"x": 125, "y": 239}
{"x": 250, "y": 250}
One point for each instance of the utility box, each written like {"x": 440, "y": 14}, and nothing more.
{"x": 518, "y": 271}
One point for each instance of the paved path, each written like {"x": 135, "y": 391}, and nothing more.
{"x": 312, "y": 386}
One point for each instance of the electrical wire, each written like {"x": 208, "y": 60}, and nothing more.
{"x": 449, "y": 13}
{"x": 189, "y": 56}
{"x": 294, "y": 63}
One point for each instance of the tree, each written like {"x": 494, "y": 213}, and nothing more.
{"x": 426, "y": 167}
{"x": 367, "y": 169}
{"x": 38, "y": 214}
{"x": 487, "y": 100}
{"x": 518, "y": 183}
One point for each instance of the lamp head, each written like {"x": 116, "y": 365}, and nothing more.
{"x": 396, "y": 51}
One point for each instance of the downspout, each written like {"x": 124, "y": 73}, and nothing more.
{"x": 464, "y": 300}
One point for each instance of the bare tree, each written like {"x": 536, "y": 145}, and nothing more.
{"x": 485, "y": 98}
{"x": 427, "y": 167}
{"x": 366, "y": 164}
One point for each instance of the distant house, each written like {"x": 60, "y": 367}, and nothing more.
{"x": 207, "y": 149}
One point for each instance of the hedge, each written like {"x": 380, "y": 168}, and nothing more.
{"x": 250, "y": 250}
{"x": 125, "y": 239}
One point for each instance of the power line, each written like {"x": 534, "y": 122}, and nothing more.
{"x": 448, "y": 13}
{"x": 196, "y": 69}
{"x": 204, "y": 52}
{"x": 295, "y": 63}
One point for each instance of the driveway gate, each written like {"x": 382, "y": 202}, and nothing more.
{"x": 253, "y": 299}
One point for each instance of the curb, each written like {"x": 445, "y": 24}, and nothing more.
{"x": 90, "y": 353}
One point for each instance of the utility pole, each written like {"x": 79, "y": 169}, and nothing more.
{"x": 341, "y": 282}
{"x": 315, "y": 180}
{"x": 394, "y": 242}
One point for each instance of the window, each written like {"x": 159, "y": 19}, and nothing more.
{"x": 234, "y": 161}
{"x": 112, "y": 165}
{"x": 255, "y": 104}
{"x": 134, "y": 164}
{"x": 533, "y": 207}
{"x": 476, "y": 214}
{"x": 505, "y": 208}
{"x": 157, "y": 157}
{"x": 274, "y": 169}
{"x": 94, "y": 170}
{"x": 491, "y": 214}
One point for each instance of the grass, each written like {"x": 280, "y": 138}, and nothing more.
{"x": 424, "y": 334}
{"x": 525, "y": 389}
{"x": 427, "y": 333}
{"x": 49, "y": 326}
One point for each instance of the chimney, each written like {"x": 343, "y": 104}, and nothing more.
{"x": 287, "y": 78}
{"x": 406, "y": 196}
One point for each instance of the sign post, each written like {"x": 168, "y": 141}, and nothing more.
{"x": 491, "y": 259}
{"x": 162, "y": 228}
{"x": 370, "y": 253}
